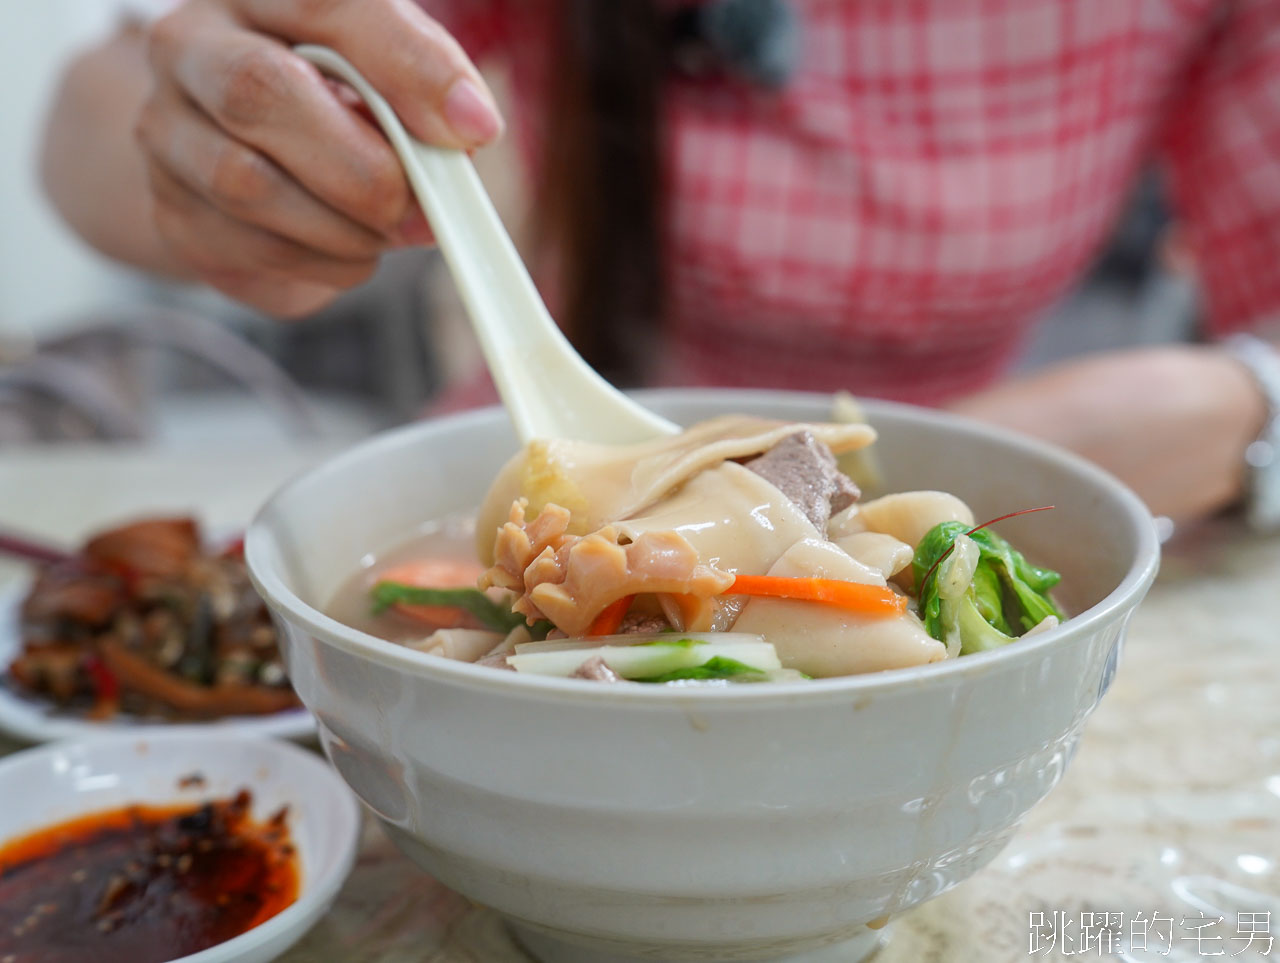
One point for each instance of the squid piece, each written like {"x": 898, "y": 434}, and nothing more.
{"x": 907, "y": 516}
{"x": 572, "y": 586}
{"x": 570, "y": 579}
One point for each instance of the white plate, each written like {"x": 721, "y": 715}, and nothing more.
{"x": 37, "y": 720}
{"x": 68, "y": 779}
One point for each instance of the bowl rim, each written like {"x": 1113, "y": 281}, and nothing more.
{"x": 1114, "y": 605}
{"x": 313, "y": 895}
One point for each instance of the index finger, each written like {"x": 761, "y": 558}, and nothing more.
{"x": 411, "y": 59}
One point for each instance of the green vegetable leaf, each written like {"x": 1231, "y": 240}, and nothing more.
{"x": 1007, "y": 596}
{"x": 492, "y": 615}
{"x": 988, "y": 597}
{"x": 717, "y": 667}
{"x": 995, "y": 547}
{"x": 931, "y": 610}
{"x": 936, "y": 542}
{"x": 976, "y": 633}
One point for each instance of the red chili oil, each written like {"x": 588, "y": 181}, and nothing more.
{"x": 143, "y": 884}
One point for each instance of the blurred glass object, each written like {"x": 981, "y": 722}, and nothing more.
{"x": 92, "y": 384}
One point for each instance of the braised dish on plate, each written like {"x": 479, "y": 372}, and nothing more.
{"x": 144, "y": 620}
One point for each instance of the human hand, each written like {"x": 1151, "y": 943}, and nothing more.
{"x": 1172, "y": 422}
{"x": 266, "y": 182}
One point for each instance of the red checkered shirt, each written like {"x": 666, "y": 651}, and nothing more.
{"x": 937, "y": 174}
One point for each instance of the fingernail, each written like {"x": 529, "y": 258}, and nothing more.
{"x": 470, "y": 113}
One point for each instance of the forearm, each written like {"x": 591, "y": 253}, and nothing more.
{"x": 1172, "y": 422}
{"x": 205, "y": 147}
{"x": 91, "y": 166}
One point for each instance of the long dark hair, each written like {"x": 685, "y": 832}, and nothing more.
{"x": 602, "y": 200}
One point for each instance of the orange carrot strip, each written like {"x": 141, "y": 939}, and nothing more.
{"x": 854, "y": 596}
{"x": 610, "y": 618}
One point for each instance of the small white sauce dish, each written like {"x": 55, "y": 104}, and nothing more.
{"x": 53, "y": 783}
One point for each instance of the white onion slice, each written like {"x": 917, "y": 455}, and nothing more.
{"x": 644, "y": 661}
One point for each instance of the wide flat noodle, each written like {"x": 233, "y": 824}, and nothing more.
{"x": 908, "y": 516}
{"x": 884, "y": 553}
{"x": 736, "y": 520}
{"x": 824, "y": 640}
{"x": 599, "y": 484}
{"x": 463, "y": 645}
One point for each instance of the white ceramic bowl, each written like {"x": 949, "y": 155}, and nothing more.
{"x": 63, "y": 780}
{"x": 757, "y": 822}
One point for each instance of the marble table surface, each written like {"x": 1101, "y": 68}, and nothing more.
{"x": 1162, "y": 842}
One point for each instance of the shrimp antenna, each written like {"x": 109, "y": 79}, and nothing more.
{"x": 1025, "y": 511}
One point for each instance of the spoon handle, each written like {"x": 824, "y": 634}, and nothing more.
{"x": 548, "y": 389}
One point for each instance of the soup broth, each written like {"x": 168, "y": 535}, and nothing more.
{"x": 450, "y": 540}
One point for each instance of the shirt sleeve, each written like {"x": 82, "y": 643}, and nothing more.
{"x": 478, "y": 25}
{"x": 1223, "y": 148}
